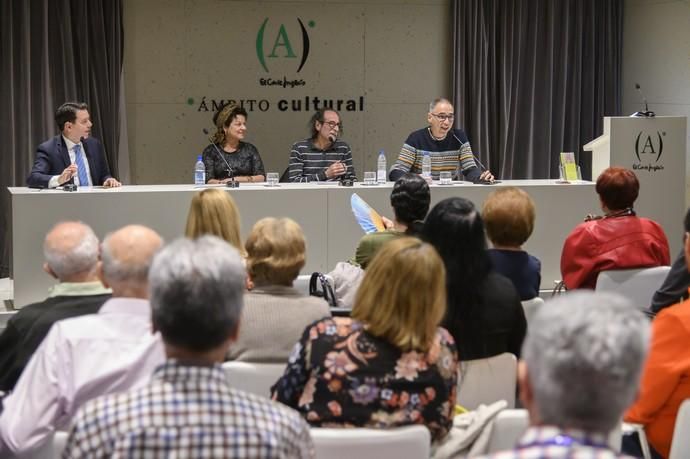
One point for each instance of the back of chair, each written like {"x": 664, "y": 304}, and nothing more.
{"x": 637, "y": 285}
{"x": 255, "y": 378}
{"x": 507, "y": 429}
{"x": 680, "y": 445}
{"x": 50, "y": 449}
{"x": 531, "y": 307}
{"x": 410, "y": 442}
{"x": 488, "y": 380}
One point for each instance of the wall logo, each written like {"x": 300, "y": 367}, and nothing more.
{"x": 648, "y": 148}
{"x": 281, "y": 47}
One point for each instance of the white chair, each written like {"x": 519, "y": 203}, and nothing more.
{"x": 637, "y": 285}
{"x": 410, "y": 442}
{"x": 680, "y": 444}
{"x": 255, "y": 378}
{"x": 531, "y": 307}
{"x": 51, "y": 449}
{"x": 507, "y": 429}
{"x": 510, "y": 425}
{"x": 487, "y": 380}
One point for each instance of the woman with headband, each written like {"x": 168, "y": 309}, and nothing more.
{"x": 228, "y": 157}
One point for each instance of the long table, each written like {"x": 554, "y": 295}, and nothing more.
{"x": 323, "y": 211}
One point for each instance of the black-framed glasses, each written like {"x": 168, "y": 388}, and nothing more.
{"x": 333, "y": 124}
{"x": 443, "y": 116}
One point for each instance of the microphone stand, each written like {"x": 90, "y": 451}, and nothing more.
{"x": 231, "y": 173}
{"x": 481, "y": 166}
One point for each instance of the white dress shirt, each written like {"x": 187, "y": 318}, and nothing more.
{"x": 81, "y": 358}
{"x": 53, "y": 182}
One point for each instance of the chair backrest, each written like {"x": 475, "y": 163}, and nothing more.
{"x": 510, "y": 425}
{"x": 484, "y": 381}
{"x": 256, "y": 378}
{"x": 51, "y": 449}
{"x": 410, "y": 442}
{"x": 507, "y": 429}
{"x": 680, "y": 445}
{"x": 531, "y": 307}
{"x": 637, "y": 285}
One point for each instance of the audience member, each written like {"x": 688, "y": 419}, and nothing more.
{"x": 508, "y": 214}
{"x": 580, "y": 368}
{"x": 71, "y": 256}
{"x": 188, "y": 409}
{"x": 675, "y": 286}
{"x": 484, "y": 312}
{"x": 618, "y": 240}
{"x": 666, "y": 378}
{"x": 275, "y": 314}
{"x": 410, "y": 202}
{"x": 322, "y": 156}
{"x": 390, "y": 364}
{"x": 229, "y": 157}
{"x": 91, "y": 355}
{"x": 214, "y": 212}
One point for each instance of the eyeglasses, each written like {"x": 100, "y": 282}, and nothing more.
{"x": 333, "y": 124}
{"x": 443, "y": 117}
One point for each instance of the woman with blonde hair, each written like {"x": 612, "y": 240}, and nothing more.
{"x": 274, "y": 313}
{"x": 388, "y": 365}
{"x": 213, "y": 211}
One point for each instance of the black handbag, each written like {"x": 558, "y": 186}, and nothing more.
{"x": 320, "y": 287}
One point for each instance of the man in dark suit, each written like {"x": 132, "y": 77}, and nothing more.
{"x": 73, "y": 155}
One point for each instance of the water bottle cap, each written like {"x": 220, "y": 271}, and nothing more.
{"x": 198, "y": 158}
{"x": 381, "y": 152}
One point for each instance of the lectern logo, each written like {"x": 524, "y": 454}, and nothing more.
{"x": 282, "y": 47}
{"x": 645, "y": 145}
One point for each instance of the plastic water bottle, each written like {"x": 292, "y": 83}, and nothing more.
{"x": 426, "y": 165}
{"x": 199, "y": 172}
{"x": 382, "y": 169}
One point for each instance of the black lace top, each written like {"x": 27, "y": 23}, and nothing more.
{"x": 245, "y": 161}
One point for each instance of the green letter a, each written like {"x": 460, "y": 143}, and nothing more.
{"x": 282, "y": 40}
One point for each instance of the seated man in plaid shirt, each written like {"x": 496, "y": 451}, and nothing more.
{"x": 189, "y": 408}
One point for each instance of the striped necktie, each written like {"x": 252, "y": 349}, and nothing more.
{"x": 83, "y": 174}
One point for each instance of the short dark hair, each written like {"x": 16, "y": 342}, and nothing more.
{"x": 410, "y": 200}
{"x": 319, "y": 115}
{"x": 67, "y": 112}
{"x": 196, "y": 292}
{"x": 618, "y": 188}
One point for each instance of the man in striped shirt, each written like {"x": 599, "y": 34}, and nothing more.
{"x": 321, "y": 157}
{"x": 448, "y": 148}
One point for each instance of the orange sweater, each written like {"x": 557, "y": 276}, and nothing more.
{"x": 666, "y": 378}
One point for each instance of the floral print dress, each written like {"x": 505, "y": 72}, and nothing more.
{"x": 340, "y": 375}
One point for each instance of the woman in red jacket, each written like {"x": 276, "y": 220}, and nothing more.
{"x": 618, "y": 240}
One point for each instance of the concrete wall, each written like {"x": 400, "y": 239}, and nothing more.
{"x": 393, "y": 54}
{"x": 656, "y": 54}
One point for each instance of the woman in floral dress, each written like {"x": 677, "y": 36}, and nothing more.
{"x": 390, "y": 364}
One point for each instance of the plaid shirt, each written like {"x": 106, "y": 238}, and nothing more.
{"x": 553, "y": 443}
{"x": 187, "y": 412}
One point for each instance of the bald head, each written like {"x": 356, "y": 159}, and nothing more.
{"x": 126, "y": 257}
{"x": 71, "y": 252}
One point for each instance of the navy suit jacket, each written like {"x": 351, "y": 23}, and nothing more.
{"x": 52, "y": 158}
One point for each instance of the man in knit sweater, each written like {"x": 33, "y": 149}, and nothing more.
{"x": 448, "y": 148}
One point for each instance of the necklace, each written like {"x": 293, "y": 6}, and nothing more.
{"x": 434, "y": 137}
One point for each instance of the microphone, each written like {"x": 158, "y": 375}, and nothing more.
{"x": 482, "y": 166}
{"x": 646, "y": 113}
{"x": 231, "y": 173}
